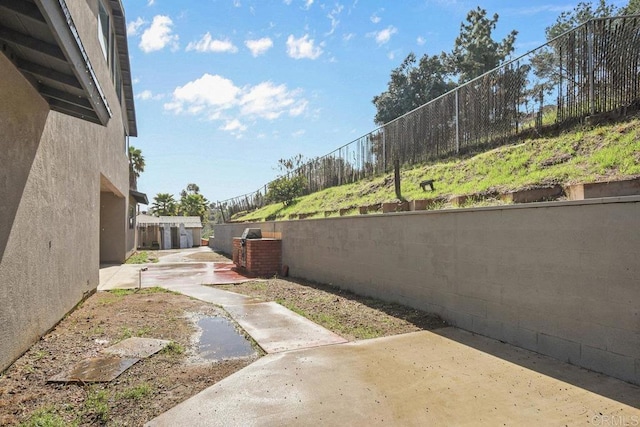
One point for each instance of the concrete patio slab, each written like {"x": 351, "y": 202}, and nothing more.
{"x": 277, "y": 329}
{"x": 192, "y": 273}
{"x": 123, "y": 276}
{"x": 180, "y": 255}
{"x": 127, "y": 276}
{"x": 446, "y": 378}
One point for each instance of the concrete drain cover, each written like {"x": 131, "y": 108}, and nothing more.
{"x": 95, "y": 370}
{"x": 140, "y": 348}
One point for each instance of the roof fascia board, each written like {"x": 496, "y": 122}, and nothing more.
{"x": 120, "y": 29}
{"x": 58, "y": 17}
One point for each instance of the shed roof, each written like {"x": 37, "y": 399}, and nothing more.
{"x": 172, "y": 221}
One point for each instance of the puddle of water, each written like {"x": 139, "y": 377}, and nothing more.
{"x": 220, "y": 340}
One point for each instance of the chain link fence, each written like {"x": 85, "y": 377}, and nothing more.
{"x": 591, "y": 70}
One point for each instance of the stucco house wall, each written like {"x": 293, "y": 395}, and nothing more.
{"x": 64, "y": 193}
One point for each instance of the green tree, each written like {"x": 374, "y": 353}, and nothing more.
{"x": 136, "y": 166}
{"x": 192, "y": 203}
{"x": 191, "y": 188}
{"x": 164, "y": 205}
{"x": 292, "y": 184}
{"x": 580, "y": 14}
{"x": 545, "y": 61}
{"x": 632, "y": 8}
{"x": 475, "y": 52}
{"x": 411, "y": 85}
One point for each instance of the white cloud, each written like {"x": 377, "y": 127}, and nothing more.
{"x": 267, "y": 100}
{"x": 298, "y": 108}
{"x": 134, "y": 26}
{"x": 233, "y": 126}
{"x": 383, "y": 36}
{"x": 348, "y": 37}
{"x": 375, "y": 19}
{"x": 218, "y": 99}
{"x": 146, "y": 95}
{"x": 151, "y": 2}
{"x": 302, "y": 48}
{"x": 158, "y": 35}
{"x": 421, "y": 41}
{"x": 333, "y": 17}
{"x": 287, "y": 2}
{"x": 298, "y": 133}
{"x": 259, "y": 46}
{"x": 207, "y": 44}
{"x": 534, "y": 10}
{"x": 307, "y": 4}
{"x": 207, "y": 91}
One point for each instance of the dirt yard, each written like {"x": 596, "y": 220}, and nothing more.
{"x": 158, "y": 383}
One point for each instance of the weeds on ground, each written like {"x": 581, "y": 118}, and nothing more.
{"x": 46, "y": 417}
{"x": 173, "y": 348}
{"x": 96, "y": 406}
{"x": 142, "y": 257}
{"x": 136, "y": 393}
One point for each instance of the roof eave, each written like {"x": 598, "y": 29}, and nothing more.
{"x": 120, "y": 28}
{"x": 64, "y": 31}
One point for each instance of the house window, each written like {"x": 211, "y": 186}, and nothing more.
{"x": 104, "y": 29}
{"x": 107, "y": 40}
{"x": 132, "y": 216}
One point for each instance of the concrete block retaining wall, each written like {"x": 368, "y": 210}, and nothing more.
{"x": 559, "y": 278}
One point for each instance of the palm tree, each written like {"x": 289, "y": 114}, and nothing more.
{"x": 164, "y": 205}
{"x": 136, "y": 166}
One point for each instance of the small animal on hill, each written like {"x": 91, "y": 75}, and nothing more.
{"x": 426, "y": 182}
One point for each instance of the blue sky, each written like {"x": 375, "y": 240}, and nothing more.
{"x": 225, "y": 88}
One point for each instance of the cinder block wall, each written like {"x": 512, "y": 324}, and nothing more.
{"x": 561, "y": 279}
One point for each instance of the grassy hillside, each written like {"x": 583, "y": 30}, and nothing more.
{"x": 603, "y": 153}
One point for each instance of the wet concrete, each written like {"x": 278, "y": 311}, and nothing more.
{"x": 220, "y": 340}
{"x": 278, "y": 329}
{"x": 127, "y": 276}
{"x": 192, "y": 273}
{"x": 212, "y": 295}
{"x": 95, "y": 370}
{"x": 272, "y": 326}
{"x": 450, "y": 377}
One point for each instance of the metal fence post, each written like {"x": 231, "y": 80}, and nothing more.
{"x": 384, "y": 149}
{"x": 590, "y": 68}
{"x": 457, "y": 122}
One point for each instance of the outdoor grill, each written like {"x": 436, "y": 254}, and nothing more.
{"x": 251, "y": 233}
{"x": 257, "y": 255}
